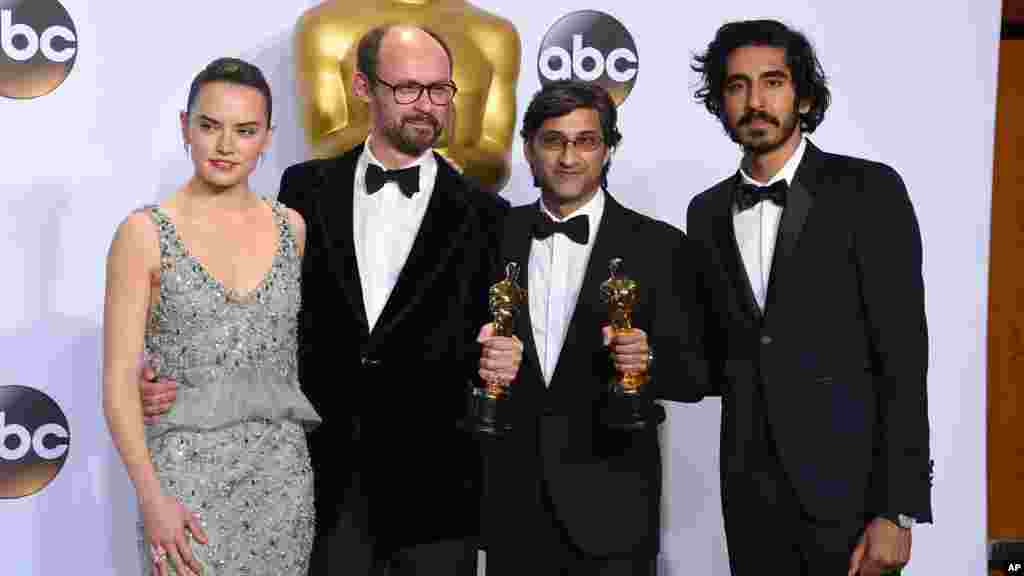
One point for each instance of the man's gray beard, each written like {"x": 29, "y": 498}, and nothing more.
{"x": 406, "y": 145}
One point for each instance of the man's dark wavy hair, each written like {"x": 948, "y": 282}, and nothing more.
{"x": 808, "y": 76}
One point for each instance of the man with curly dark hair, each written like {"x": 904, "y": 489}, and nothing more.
{"x": 816, "y": 332}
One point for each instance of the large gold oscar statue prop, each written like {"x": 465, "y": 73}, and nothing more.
{"x": 486, "y": 53}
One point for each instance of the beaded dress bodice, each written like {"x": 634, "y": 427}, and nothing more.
{"x": 232, "y": 355}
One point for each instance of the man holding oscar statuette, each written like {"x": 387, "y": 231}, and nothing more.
{"x": 573, "y": 479}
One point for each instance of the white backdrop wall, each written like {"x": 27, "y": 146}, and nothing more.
{"x": 912, "y": 88}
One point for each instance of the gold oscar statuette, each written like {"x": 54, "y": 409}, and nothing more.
{"x": 621, "y": 293}
{"x": 504, "y": 299}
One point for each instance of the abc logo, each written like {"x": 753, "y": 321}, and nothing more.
{"x": 38, "y": 45}
{"x": 593, "y": 47}
{"x": 34, "y": 441}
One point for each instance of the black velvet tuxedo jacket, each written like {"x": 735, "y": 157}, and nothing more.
{"x": 840, "y": 353}
{"x": 390, "y": 398}
{"x": 604, "y": 486}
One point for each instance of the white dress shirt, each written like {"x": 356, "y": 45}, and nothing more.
{"x": 757, "y": 227}
{"x": 557, "y": 267}
{"x": 384, "y": 227}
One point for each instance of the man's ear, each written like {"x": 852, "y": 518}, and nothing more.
{"x": 608, "y": 156}
{"x": 361, "y": 86}
{"x": 183, "y": 120}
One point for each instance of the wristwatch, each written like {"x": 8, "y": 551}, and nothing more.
{"x": 901, "y": 520}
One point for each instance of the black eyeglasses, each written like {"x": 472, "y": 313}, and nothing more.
{"x": 556, "y": 141}
{"x": 440, "y": 93}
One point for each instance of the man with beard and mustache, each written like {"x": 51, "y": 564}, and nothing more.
{"x": 400, "y": 252}
{"x": 816, "y": 332}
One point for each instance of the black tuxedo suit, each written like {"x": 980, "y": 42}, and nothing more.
{"x": 831, "y": 379}
{"x": 390, "y": 398}
{"x": 560, "y": 474}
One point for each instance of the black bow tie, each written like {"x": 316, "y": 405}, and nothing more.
{"x": 408, "y": 179}
{"x": 576, "y": 228}
{"x": 750, "y": 194}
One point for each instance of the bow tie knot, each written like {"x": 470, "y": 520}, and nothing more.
{"x": 576, "y": 228}
{"x": 750, "y": 194}
{"x": 408, "y": 179}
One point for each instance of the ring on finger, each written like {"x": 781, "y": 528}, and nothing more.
{"x": 159, "y": 554}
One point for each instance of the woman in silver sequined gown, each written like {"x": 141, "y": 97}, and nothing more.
{"x": 223, "y": 480}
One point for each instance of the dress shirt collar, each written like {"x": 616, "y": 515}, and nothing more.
{"x": 427, "y": 163}
{"x": 593, "y": 210}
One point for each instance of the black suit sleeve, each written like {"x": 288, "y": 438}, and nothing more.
{"x": 888, "y": 256}
{"x": 491, "y": 212}
{"x": 297, "y": 192}
{"x": 680, "y": 370}
{"x": 299, "y": 187}
{"x": 291, "y": 195}
{"x": 698, "y": 226}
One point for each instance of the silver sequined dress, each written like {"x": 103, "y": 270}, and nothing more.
{"x": 233, "y": 446}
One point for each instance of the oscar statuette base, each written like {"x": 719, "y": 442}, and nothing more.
{"x": 487, "y": 413}
{"x": 630, "y": 411}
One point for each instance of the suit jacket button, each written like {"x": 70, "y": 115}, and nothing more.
{"x": 766, "y": 339}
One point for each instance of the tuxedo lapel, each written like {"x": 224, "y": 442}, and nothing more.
{"x": 517, "y": 241}
{"x": 443, "y": 226}
{"x": 799, "y": 202}
{"x": 732, "y": 260}
{"x": 336, "y": 183}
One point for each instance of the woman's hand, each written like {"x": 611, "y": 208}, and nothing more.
{"x": 166, "y": 523}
